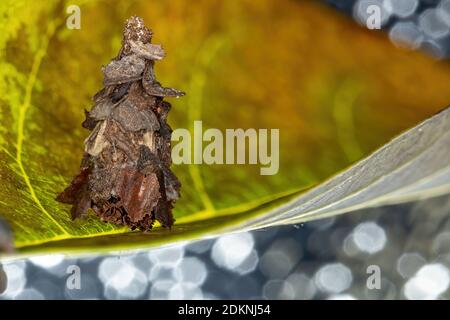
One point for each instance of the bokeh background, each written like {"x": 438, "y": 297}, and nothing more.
{"x": 326, "y": 259}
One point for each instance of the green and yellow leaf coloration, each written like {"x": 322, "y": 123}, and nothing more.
{"x": 336, "y": 91}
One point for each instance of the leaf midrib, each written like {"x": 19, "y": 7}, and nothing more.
{"x": 21, "y": 122}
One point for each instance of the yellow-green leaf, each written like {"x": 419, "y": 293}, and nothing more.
{"x": 334, "y": 90}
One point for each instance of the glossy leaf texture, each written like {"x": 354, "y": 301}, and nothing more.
{"x": 336, "y": 92}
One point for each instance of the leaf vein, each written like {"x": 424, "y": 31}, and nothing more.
{"x": 21, "y": 122}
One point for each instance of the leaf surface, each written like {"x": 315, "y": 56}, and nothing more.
{"x": 263, "y": 65}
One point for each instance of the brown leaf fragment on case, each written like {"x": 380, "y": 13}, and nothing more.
{"x": 139, "y": 193}
{"x": 147, "y": 50}
{"x": 89, "y": 122}
{"x": 70, "y": 194}
{"x": 149, "y": 163}
{"x": 102, "y": 110}
{"x": 132, "y": 199}
{"x": 125, "y": 177}
{"x": 132, "y": 119}
{"x": 127, "y": 69}
{"x": 97, "y": 141}
{"x": 77, "y": 194}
